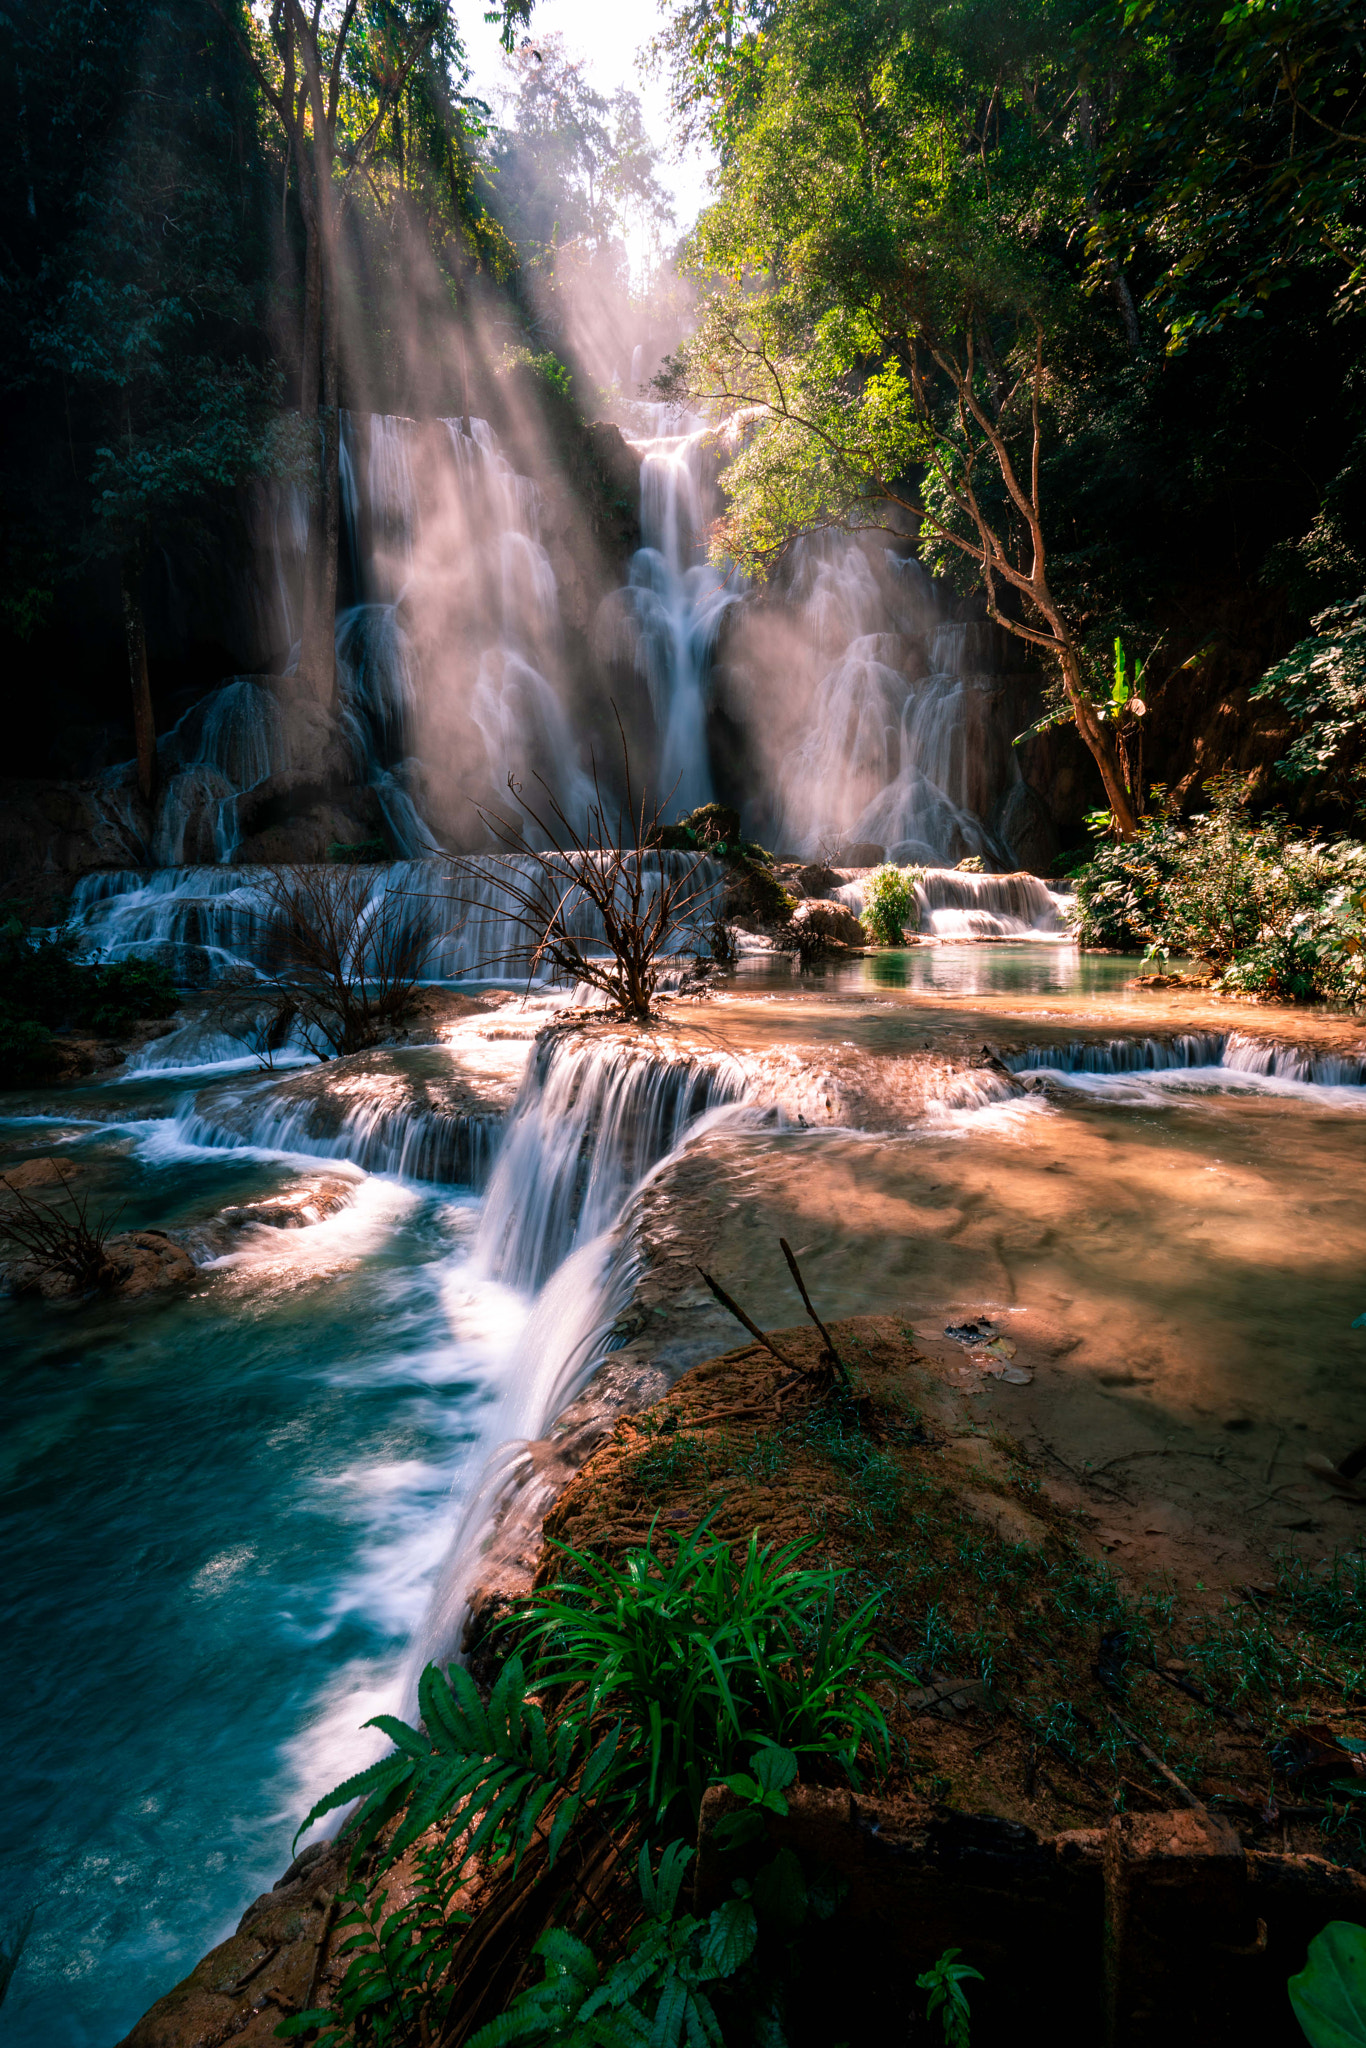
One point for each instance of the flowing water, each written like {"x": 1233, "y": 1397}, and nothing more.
{"x": 228, "y": 1511}
{"x": 240, "y": 1516}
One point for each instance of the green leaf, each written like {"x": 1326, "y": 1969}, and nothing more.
{"x": 595, "y": 1770}
{"x": 402, "y": 1736}
{"x": 730, "y": 1937}
{"x": 775, "y": 1768}
{"x": 566, "y": 1813}
{"x": 1329, "y": 1994}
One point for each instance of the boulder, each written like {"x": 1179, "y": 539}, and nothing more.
{"x": 39, "y": 1173}
{"x": 819, "y": 918}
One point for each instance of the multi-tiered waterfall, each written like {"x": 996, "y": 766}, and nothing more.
{"x": 858, "y": 710}
{"x": 666, "y": 619}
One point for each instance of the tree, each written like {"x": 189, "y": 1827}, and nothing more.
{"x": 141, "y": 305}
{"x": 1238, "y": 149}
{"x": 336, "y": 77}
{"x": 899, "y": 195}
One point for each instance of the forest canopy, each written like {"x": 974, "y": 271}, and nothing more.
{"x": 1073, "y": 294}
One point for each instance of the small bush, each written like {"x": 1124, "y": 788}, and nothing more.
{"x": 45, "y": 988}
{"x": 1119, "y": 890}
{"x": 889, "y": 904}
{"x": 116, "y": 996}
{"x": 360, "y": 852}
{"x": 1322, "y": 682}
{"x": 27, "y": 1054}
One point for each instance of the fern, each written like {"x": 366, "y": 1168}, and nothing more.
{"x": 494, "y": 1765}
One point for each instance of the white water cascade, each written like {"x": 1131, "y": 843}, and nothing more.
{"x": 666, "y": 619}
{"x": 590, "y": 1122}
{"x": 205, "y": 922}
{"x": 907, "y": 745}
{"x": 1230, "y": 1051}
{"x": 593, "y": 1123}
{"x": 952, "y": 904}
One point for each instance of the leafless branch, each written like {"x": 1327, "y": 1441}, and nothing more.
{"x": 601, "y": 905}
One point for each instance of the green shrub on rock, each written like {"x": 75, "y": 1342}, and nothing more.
{"x": 45, "y": 988}
{"x": 889, "y": 904}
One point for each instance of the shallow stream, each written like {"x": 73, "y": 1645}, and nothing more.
{"x": 231, "y": 1512}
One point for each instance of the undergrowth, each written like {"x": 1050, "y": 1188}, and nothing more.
{"x": 902, "y": 1644}
{"x": 44, "y": 988}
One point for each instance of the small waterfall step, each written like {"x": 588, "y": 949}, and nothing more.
{"x": 1234, "y": 1051}
{"x": 410, "y": 1114}
{"x": 953, "y": 903}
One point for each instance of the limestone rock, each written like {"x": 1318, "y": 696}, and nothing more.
{"x": 821, "y": 918}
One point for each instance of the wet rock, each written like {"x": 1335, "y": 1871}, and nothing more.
{"x": 39, "y": 1173}
{"x": 816, "y": 879}
{"x": 137, "y": 1263}
{"x": 822, "y": 922}
{"x": 294, "y": 1208}
{"x": 268, "y": 1969}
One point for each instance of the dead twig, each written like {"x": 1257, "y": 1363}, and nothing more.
{"x": 831, "y": 1353}
{"x": 1150, "y": 1756}
{"x": 733, "y": 1308}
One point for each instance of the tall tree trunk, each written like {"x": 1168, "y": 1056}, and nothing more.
{"x": 330, "y": 521}
{"x": 318, "y": 659}
{"x": 135, "y": 635}
{"x": 317, "y": 629}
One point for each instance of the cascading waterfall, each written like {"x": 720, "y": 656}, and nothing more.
{"x": 209, "y": 921}
{"x": 591, "y": 1120}
{"x": 953, "y": 904}
{"x": 1196, "y": 1049}
{"x": 907, "y": 747}
{"x": 424, "y": 1144}
{"x": 666, "y": 619}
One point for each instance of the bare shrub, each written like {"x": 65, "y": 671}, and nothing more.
{"x": 60, "y": 1240}
{"x": 644, "y": 903}
{"x": 344, "y": 958}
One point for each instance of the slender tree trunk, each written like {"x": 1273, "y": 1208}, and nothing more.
{"x": 1101, "y": 743}
{"x": 318, "y": 660}
{"x": 135, "y": 635}
{"x": 316, "y": 633}
{"x": 325, "y": 668}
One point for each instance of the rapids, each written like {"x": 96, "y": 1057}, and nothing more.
{"x": 239, "y": 1517}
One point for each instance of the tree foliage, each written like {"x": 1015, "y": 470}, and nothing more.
{"x": 991, "y": 280}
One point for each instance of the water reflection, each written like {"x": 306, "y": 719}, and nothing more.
{"x": 1028, "y": 967}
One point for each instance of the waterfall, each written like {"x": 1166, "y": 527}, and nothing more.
{"x": 957, "y": 905}
{"x": 590, "y": 1121}
{"x": 907, "y": 745}
{"x": 665, "y": 621}
{"x": 207, "y": 922}
{"x": 594, "y": 1121}
{"x": 418, "y": 1142}
{"x": 1232, "y": 1051}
